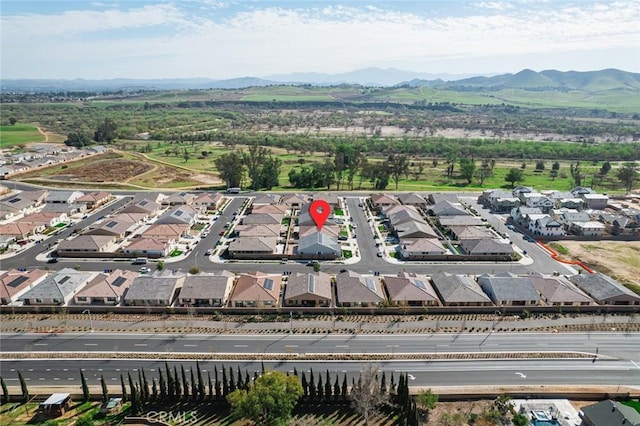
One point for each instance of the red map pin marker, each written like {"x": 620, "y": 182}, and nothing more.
{"x": 319, "y": 211}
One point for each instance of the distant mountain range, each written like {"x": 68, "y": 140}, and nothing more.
{"x": 590, "y": 81}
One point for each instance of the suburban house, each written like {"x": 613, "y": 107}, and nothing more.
{"x": 68, "y": 209}
{"x": 295, "y": 200}
{"x": 144, "y": 206}
{"x": 498, "y": 201}
{"x": 459, "y": 290}
{"x": 404, "y": 214}
{"x": 523, "y": 215}
{"x": 258, "y": 230}
{"x": 14, "y": 283}
{"x": 437, "y": 197}
{"x": 546, "y": 226}
{"x": 355, "y": 290}
{"x": 94, "y": 199}
{"x": 179, "y": 199}
{"x": 624, "y": 225}
{"x": 413, "y": 199}
{"x": 16, "y": 205}
{"x": 256, "y": 289}
{"x": 262, "y": 219}
{"x": 210, "y": 201}
{"x": 447, "y": 221}
{"x": 407, "y": 289}
{"x": 304, "y": 230}
{"x": 447, "y": 208}
{"x": 604, "y": 289}
{"x": 470, "y": 232}
{"x": 332, "y": 199}
{"x": 105, "y": 289}
{"x": 309, "y": 290}
{"x": 509, "y": 289}
{"x": 266, "y": 199}
{"x": 319, "y": 246}
{"x": 379, "y": 201}
{"x": 114, "y": 227}
{"x": 149, "y": 247}
{"x": 166, "y": 232}
{"x": 45, "y": 220}
{"x": 414, "y": 230}
{"x": 595, "y": 201}
{"x": 558, "y": 291}
{"x": 486, "y": 247}
{"x": 86, "y": 244}
{"x": 58, "y": 288}
{"x": 276, "y": 209}
{"x": 153, "y": 290}
{"x": 535, "y": 199}
{"x": 252, "y": 247}
{"x": 63, "y": 197}
{"x": 210, "y": 290}
{"x": 420, "y": 248}
{"x": 19, "y": 230}
{"x": 609, "y": 413}
{"x": 590, "y": 228}
{"x": 180, "y": 214}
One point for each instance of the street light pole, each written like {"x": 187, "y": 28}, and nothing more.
{"x": 88, "y": 311}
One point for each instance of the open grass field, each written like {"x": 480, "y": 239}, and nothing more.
{"x": 19, "y": 134}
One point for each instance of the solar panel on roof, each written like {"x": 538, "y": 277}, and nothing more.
{"x": 312, "y": 284}
{"x": 118, "y": 281}
{"x": 64, "y": 279}
{"x": 16, "y": 282}
{"x": 143, "y": 202}
{"x": 370, "y": 283}
{"x": 111, "y": 224}
{"x": 178, "y": 213}
{"x": 268, "y": 284}
{"x": 421, "y": 284}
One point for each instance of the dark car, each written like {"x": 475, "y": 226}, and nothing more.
{"x": 52, "y": 260}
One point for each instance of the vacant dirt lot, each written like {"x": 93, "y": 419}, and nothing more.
{"x": 107, "y": 170}
{"x": 620, "y": 259}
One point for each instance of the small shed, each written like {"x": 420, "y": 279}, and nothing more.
{"x": 56, "y": 405}
{"x": 113, "y": 406}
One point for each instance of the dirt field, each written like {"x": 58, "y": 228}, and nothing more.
{"x": 620, "y": 259}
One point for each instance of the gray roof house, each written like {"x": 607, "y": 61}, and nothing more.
{"x": 420, "y": 248}
{"x": 408, "y": 289}
{"x": 57, "y": 289}
{"x": 86, "y": 244}
{"x": 413, "y": 199}
{"x": 486, "y": 247}
{"x": 206, "y": 289}
{"x": 180, "y": 214}
{"x": 459, "y": 290}
{"x": 252, "y": 247}
{"x": 605, "y": 290}
{"x": 267, "y": 199}
{"x": 509, "y": 289}
{"x": 353, "y": 289}
{"x": 447, "y": 208}
{"x": 153, "y": 290}
{"x": 262, "y": 219}
{"x": 309, "y": 290}
{"x": 63, "y": 197}
{"x": 610, "y": 413}
{"x": 319, "y": 245}
{"x": 413, "y": 229}
{"x": 558, "y": 291}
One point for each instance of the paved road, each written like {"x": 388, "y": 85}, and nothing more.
{"x": 619, "y": 345}
{"x": 421, "y": 373}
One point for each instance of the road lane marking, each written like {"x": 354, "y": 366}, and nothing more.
{"x": 91, "y": 344}
{"x": 342, "y": 346}
{"x": 240, "y": 346}
{"x": 140, "y": 344}
{"x": 290, "y": 346}
{"x": 633, "y": 362}
{"x": 40, "y": 344}
{"x": 190, "y": 346}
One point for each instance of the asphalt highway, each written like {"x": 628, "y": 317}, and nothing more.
{"x": 420, "y": 373}
{"x": 618, "y": 345}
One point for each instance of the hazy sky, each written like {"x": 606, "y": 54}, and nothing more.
{"x": 224, "y": 39}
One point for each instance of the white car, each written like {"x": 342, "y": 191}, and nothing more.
{"x": 144, "y": 270}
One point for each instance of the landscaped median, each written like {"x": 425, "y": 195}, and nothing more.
{"x": 434, "y": 356}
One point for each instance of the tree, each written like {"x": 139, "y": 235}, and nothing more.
{"x": 13, "y": 121}
{"x": 105, "y": 391}
{"x": 540, "y": 165}
{"x": 23, "y": 387}
{"x": 5, "y": 391}
{"x": 514, "y": 175}
{"x": 230, "y": 169}
{"x": 467, "y": 169}
{"x": 398, "y": 166}
{"x": 365, "y": 395}
{"x": 106, "y": 131}
{"x": 270, "y": 172}
{"x": 186, "y": 155}
{"x": 123, "y": 388}
{"x": 254, "y": 161}
{"x": 85, "y": 387}
{"x": 520, "y": 420}
{"x": 269, "y": 399}
{"x": 606, "y": 167}
{"x": 427, "y": 400}
{"x": 576, "y": 173}
{"x": 627, "y": 174}
{"x": 78, "y": 139}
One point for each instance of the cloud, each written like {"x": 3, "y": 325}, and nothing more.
{"x": 494, "y": 5}
{"x": 167, "y": 40}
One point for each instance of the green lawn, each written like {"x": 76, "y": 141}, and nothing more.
{"x": 19, "y": 134}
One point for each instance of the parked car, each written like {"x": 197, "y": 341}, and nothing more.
{"x": 208, "y": 252}
{"x": 144, "y": 270}
{"x": 379, "y": 254}
{"x": 52, "y": 260}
